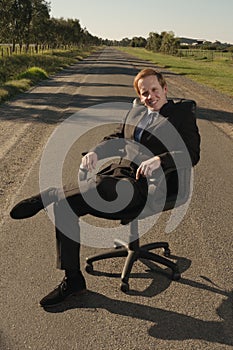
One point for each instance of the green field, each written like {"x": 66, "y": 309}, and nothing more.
{"x": 216, "y": 73}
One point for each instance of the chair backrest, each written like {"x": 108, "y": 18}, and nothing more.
{"x": 157, "y": 203}
{"x": 186, "y": 103}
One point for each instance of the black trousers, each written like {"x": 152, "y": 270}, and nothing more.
{"x": 67, "y": 224}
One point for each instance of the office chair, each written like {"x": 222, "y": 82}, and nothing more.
{"x": 132, "y": 249}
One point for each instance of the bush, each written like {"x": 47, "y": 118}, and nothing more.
{"x": 34, "y": 74}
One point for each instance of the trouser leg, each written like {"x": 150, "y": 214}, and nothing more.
{"x": 71, "y": 206}
{"x": 68, "y": 250}
{"x": 67, "y": 209}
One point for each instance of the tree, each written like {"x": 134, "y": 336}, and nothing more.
{"x": 5, "y": 20}
{"x": 164, "y": 42}
{"x": 22, "y": 21}
{"x": 169, "y": 43}
{"x": 75, "y": 31}
{"x": 28, "y": 21}
{"x": 40, "y": 22}
{"x": 154, "y": 42}
{"x": 20, "y": 18}
{"x": 138, "y": 42}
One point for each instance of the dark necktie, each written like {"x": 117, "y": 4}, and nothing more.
{"x": 143, "y": 124}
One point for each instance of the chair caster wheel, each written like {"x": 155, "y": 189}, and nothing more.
{"x": 117, "y": 246}
{"x": 176, "y": 276}
{"x": 89, "y": 268}
{"x": 124, "y": 287}
{"x": 167, "y": 252}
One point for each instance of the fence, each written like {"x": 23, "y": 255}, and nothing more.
{"x": 210, "y": 55}
{"x": 32, "y": 49}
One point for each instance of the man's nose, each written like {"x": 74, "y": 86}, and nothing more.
{"x": 149, "y": 95}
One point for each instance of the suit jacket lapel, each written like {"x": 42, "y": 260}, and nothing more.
{"x": 134, "y": 117}
{"x": 132, "y": 121}
{"x": 157, "y": 121}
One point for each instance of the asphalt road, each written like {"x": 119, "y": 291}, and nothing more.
{"x": 193, "y": 313}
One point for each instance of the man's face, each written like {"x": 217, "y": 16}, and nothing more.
{"x": 152, "y": 95}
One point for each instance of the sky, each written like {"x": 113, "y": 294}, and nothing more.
{"x": 117, "y": 19}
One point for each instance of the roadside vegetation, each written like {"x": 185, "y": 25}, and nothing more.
{"x": 200, "y": 66}
{"x": 19, "y": 72}
{"x": 31, "y": 41}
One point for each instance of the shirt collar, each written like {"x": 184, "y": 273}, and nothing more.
{"x": 149, "y": 111}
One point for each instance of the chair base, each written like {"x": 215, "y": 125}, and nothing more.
{"x": 132, "y": 251}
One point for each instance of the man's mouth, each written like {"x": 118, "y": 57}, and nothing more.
{"x": 153, "y": 103}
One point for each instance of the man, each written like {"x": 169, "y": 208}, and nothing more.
{"x": 144, "y": 153}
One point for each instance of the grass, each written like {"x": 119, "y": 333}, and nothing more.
{"x": 34, "y": 74}
{"x": 14, "y": 87}
{"x": 217, "y": 74}
{"x": 19, "y": 72}
{"x": 24, "y": 81}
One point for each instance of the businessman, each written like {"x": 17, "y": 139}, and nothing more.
{"x": 143, "y": 154}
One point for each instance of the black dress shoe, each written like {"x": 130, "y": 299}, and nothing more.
{"x": 64, "y": 290}
{"x": 31, "y": 206}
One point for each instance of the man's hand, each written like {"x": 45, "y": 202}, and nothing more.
{"x": 89, "y": 161}
{"x": 146, "y": 168}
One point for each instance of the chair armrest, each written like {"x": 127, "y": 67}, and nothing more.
{"x": 169, "y": 171}
{"x": 157, "y": 178}
{"x": 183, "y": 173}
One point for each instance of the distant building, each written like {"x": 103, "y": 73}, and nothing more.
{"x": 188, "y": 41}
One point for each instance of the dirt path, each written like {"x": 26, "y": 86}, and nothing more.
{"x": 193, "y": 313}
{"x": 27, "y": 122}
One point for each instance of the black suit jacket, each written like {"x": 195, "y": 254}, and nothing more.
{"x": 170, "y": 136}
{"x": 173, "y": 136}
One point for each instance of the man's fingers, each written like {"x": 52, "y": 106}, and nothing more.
{"x": 144, "y": 170}
{"x": 94, "y": 162}
{"x": 137, "y": 174}
{"x": 89, "y": 161}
